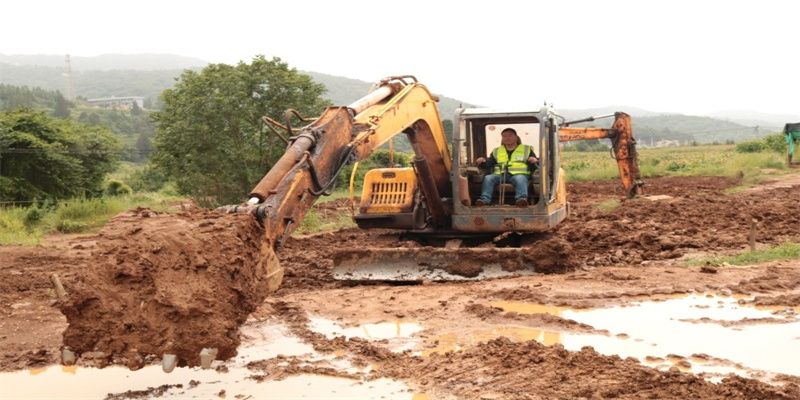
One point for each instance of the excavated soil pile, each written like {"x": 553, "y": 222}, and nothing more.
{"x": 166, "y": 284}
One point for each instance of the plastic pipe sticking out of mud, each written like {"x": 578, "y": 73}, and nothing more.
{"x": 166, "y": 284}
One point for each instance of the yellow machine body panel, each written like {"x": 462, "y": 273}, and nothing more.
{"x": 388, "y": 190}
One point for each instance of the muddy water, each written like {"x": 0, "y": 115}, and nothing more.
{"x": 263, "y": 341}
{"x": 398, "y": 334}
{"x": 698, "y": 333}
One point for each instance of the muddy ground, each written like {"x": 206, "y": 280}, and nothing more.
{"x": 467, "y": 345}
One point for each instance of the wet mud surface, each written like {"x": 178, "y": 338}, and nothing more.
{"x": 495, "y": 339}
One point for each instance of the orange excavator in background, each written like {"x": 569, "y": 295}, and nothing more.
{"x": 434, "y": 198}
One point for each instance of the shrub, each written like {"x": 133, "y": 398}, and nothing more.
{"x": 33, "y": 216}
{"x": 148, "y": 179}
{"x": 70, "y": 226}
{"x": 577, "y": 166}
{"x": 750, "y": 146}
{"x": 677, "y": 166}
{"x": 775, "y": 142}
{"x": 117, "y": 188}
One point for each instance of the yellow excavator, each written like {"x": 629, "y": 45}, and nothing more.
{"x": 434, "y": 199}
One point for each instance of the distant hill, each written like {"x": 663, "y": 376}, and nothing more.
{"x": 95, "y": 83}
{"x": 344, "y": 91}
{"x": 651, "y": 126}
{"x": 150, "y": 83}
{"x": 104, "y": 62}
{"x": 756, "y": 118}
{"x": 693, "y": 128}
{"x": 573, "y": 114}
{"x": 137, "y": 75}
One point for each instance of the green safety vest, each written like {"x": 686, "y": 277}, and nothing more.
{"x": 517, "y": 165}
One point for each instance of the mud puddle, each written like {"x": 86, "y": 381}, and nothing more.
{"x": 713, "y": 335}
{"x": 231, "y": 379}
{"x": 398, "y": 335}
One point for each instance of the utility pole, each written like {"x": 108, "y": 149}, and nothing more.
{"x": 68, "y": 75}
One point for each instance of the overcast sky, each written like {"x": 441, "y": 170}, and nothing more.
{"x": 694, "y": 57}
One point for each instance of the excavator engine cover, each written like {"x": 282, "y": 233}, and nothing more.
{"x": 387, "y": 200}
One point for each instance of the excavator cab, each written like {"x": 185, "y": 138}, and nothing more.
{"x": 481, "y": 137}
{"x": 477, "y": 133}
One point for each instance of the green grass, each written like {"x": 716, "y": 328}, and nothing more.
{"x": 315, "y": 222}
{"x": 27, "y": 225}
{"x": 710, "y": 160}
{"x": 608, "y": 205}
{"x": 15, "y": 230}
{"x": 784, "y": 251}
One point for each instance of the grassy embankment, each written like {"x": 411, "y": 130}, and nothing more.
{"x": 708, "y": 160}
{"x": 783, "y": 251}
{"x": 27, "y": 225}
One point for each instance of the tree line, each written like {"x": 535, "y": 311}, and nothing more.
{"x": 207, "y": 138}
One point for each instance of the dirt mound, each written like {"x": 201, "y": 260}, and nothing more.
{"x": 166, "y": 284}
{"x": 790, "y": 300}
{"x": 774, "y": 279}
{"x": 538, "y": 320}
{"x": 670, "y": 186}
{"x": 503, "y": 369}
{"x": 698, "y": 220}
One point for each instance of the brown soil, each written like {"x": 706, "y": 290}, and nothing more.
{"x": 497, "y": 316}
{"x": 505, "y": 369}
{"x": 502, "y": 369}
{"x": 742, "y": 322}
{"x": 165, "y": 283}
{"x": 791, "y": 300}
{"x": 120, "y": 307}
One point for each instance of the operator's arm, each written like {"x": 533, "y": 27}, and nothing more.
{"x": 486, "y": 164}
{"x": 533, "y": 161}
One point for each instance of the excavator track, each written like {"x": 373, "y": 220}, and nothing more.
{"x": 443, "y": 264}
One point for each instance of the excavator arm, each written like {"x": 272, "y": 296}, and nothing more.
{"x": 623, "y": 147}
{"x": 342, "y": 135}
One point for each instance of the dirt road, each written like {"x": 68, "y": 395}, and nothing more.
{"x": 654, "y": 327}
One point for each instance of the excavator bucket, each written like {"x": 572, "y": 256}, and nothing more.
{"x": 437, "y": 264}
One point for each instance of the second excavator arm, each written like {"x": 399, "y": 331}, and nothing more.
{"x": 622, "y": 143}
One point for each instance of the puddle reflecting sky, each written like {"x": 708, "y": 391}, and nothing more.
{"x": 657, "y": 328}
{"x": 654, "y": 328}
{"x": 263, "y": 341}
{"x": 398, "y": 333}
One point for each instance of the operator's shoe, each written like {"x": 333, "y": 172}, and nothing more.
{"x": 480, "y": 203}
{"x": 522, "y": 203}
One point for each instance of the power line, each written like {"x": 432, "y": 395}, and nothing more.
{"x": 62, "y": 151}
